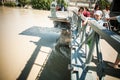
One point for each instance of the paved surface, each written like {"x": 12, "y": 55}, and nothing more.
{"x": 16, "y": 49}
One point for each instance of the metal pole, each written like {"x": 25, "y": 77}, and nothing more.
{"x": 92, "y": 44}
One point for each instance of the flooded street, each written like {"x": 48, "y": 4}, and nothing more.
{"x": 27, "y": 46}
{"x": 28, "y": 49}
{"x": 16, "y": 48}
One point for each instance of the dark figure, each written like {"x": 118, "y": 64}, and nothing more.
{"x": 115, "y": 11}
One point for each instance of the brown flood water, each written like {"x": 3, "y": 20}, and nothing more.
{"x": 17, "y": 46}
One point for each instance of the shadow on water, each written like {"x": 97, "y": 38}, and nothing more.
{"x": 56, "y": 67}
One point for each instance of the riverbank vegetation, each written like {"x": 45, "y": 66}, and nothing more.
{"x": 42, "y": 4}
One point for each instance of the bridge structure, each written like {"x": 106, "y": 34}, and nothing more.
{"x": 83, "y": 43}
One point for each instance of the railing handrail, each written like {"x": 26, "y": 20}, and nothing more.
{"x": 88, "y": 41}
{"x": 111, "y": 37}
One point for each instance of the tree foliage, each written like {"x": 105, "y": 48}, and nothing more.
{"x": 23, "y": 2}
{"x": 103, "y": 3}
{"x": 62, "y": 2}
{"x": 41, "y": 4}
{"x": 10, "y": 3}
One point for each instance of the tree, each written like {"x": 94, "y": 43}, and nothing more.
{"x": 103, "y": 3}
{"x": 41, "y": 4}
{"x": 23, "y": 2}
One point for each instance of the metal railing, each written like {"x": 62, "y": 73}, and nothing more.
{"x": 83, "y": 43}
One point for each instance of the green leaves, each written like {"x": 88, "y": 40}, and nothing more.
{"x": 24, "y": 2}
{"x": 41, "y": 4}
{"x": 103, "y": 3}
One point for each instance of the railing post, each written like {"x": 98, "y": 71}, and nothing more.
{"x": 100, "y": 66}
{"x": 91, "y": 46}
